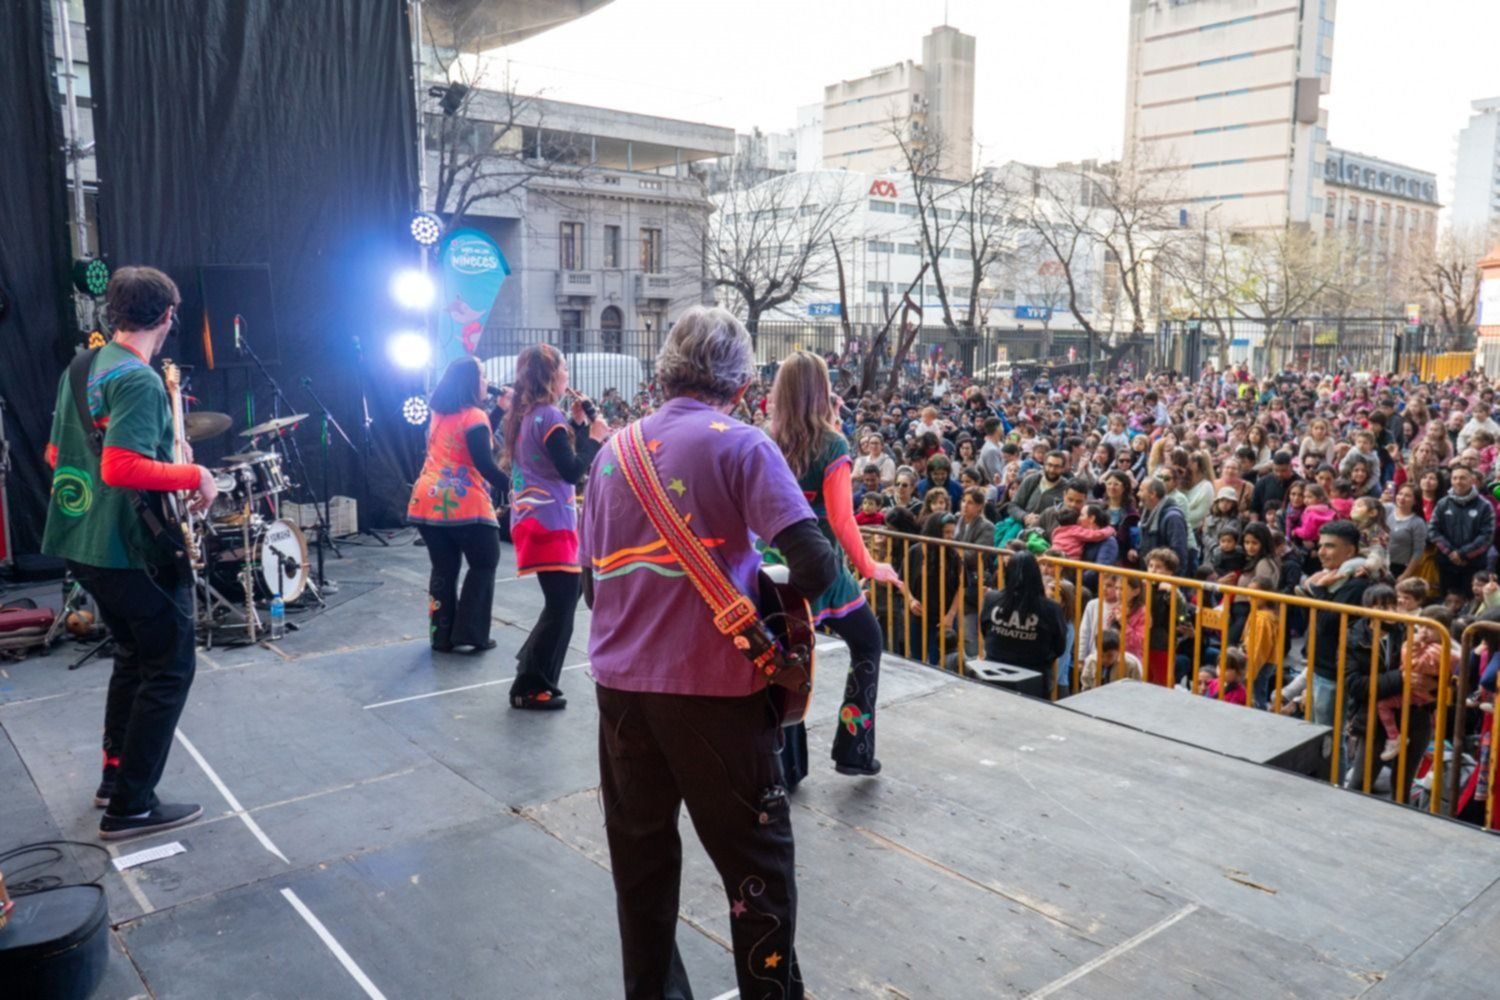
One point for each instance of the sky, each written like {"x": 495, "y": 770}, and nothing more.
{"x": 1050, "y": 73}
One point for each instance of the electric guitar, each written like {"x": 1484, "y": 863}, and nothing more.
{"x": 178, "y": 516}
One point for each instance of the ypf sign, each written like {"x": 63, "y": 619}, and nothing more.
{"x": 883, "y": 189}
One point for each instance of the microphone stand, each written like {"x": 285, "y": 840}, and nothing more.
{"x": 364, "y": 444}
{"x": 329, "y": 420}
{"x": 320, "y": 511}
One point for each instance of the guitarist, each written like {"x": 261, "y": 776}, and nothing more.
{"x": 683, "y": 717}
{"x": 124, "y": 558}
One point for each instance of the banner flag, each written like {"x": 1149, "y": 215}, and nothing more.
{"x": 472, "y": 269}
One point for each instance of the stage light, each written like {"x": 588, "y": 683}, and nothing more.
{"x": 90, "y": 276}
{"x": 410, "y": 349}
{"x": 413, "y": 290}
{"x": 415, "y": 411}
{"x": 426, "y": 228}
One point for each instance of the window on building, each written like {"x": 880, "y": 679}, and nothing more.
{"x": 908, "y": 209}
{"x": 570, "y": 246}
{"x": 1353, "y": 209}
{"x": 1369, "y": 211}
{"x": 888, "y": 207}
{"x": 611, "y": 246}
{"x": 1385, "y": 215}
{"x": 909, "y": 249}
{"x": 610, "y": 322}
{"x": 881, "y": 246}
{"x": 571, "y": 321}
{"x": 651, "y": 251}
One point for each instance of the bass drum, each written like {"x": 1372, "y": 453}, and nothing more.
{"x": 277, "y": 558}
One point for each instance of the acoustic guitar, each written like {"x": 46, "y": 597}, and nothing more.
{"x": 789, "y": 617}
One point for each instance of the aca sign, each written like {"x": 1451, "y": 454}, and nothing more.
{"x": 883, "y": 189}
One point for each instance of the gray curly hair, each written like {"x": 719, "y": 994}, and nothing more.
{"x": 707, "y": 355}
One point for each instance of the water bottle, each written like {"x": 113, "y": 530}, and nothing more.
{"x": 278, "y": 617}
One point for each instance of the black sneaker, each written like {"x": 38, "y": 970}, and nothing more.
{"x": 859, "y": 772}
{"x": 106, "y": 787}
{"x": 166, "y": 816}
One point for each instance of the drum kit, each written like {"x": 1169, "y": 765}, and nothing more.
{"x": 251, "y": 554}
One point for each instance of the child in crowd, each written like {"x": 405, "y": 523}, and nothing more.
{"x": 1422, "y": 661}
{"x": 1486, "y": 595}
{"x": 1223, "y": 515}
{"x": 1341, "y": 498}
{"x": 1411, "y": 594}
{"x": 1296, "y": 505}
{"x": 1231, "y": 677}
{"x": 1069, "y": 537}
{"x": 1228, "y": 557}
{"x": 870, "y": 514}
{"x": 1109, "y": 663}
{"x": 1316, "y": 514}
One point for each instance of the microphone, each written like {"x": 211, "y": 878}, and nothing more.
{"x": 239, "y": 345}
{"x": 493, "y": 391}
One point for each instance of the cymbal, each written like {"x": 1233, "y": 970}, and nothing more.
{"x": 244, "y": 458}
{"x": 205, "y": 424}
{"x": 272, "y": 426}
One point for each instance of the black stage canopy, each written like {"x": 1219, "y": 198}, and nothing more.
{"x": 279, "y": 134}
{"x": 37, "y": 325}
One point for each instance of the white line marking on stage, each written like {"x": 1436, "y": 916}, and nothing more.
{"x": 726, "y": 996}
{"x": 338, "y": 950}
{"x": 234, "y": 803}
{"x": 128, "y": 877}
{"x": 455, "y": 690}
{"x": 1113, "y": 953}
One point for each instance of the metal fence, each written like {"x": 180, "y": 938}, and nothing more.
{"x": 1444, "y": 761}
{"x": 1318, "y": 343}
{"x": 630, "y": 355}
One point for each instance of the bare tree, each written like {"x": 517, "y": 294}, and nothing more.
{"x": 1448, "y": 274}
{"x": 768, "y": 242}
{"x": 908, "y": 335}
{"x": 974, "y": 218}
{"x": 1275, "y": 275}
{"x": 490, "y": 138}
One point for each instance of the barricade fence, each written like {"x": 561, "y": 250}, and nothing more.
{"x": 939, "y": 620}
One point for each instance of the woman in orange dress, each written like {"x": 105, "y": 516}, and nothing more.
{"x": 451, "y": 508}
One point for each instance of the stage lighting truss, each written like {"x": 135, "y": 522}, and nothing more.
{"x": 415, "y": 411}
{"x": 90, "y": 276}
{"x": 426, "y": 228}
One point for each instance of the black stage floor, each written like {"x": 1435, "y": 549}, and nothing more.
{"x": 379, "y": 823}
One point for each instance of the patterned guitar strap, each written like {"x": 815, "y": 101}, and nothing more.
{"x": 734, "y": 615}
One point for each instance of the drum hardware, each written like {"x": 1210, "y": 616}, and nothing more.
{"x": 325, "y": 516}
{"x": 274, "y": 425}
{"x": 204, "y": 424}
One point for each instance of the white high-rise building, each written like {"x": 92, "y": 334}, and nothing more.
{"x": 1476, "y": 172}
{"x": 934, "y": 99}
{"x": 1227, "y": 92}
{"x": 808, "y": 136}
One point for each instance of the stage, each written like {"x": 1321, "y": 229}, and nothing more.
{"x": 379, "y": 822}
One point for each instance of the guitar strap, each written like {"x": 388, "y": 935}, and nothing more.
{"x": 734, "y": 615}
{"x": 78, "y": 375}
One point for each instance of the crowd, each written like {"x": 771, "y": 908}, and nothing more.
{"x": 1370, "y": 490}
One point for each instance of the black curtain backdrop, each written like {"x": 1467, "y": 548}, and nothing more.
{"x": 278, "y": 133}
{"x": 35, "y": 334}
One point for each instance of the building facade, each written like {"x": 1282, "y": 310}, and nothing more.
{"x": 1227, "y": 92}
{"x": 934, "y": 99}
{"x": 1476, "y": 172}
{"x": 1380, "y": 206}
{"x": 599, "y": 246}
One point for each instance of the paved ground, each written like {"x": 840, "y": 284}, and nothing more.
{"x": 379, "y": 823}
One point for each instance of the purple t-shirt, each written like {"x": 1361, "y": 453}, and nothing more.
{"x": 651, "y": 631}
{"x": 536, "y": 490}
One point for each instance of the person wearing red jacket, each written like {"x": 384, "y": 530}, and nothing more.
{"x": 92, "y": 524}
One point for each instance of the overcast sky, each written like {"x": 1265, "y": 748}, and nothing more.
{"x": 1051, "y": 73}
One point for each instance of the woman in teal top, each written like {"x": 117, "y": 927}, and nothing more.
{"x": 804, "y": 426}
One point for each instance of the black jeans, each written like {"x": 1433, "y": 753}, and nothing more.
{"x": 151, "y": 619}
{"x": 454, "y": 619}
{"x": 717, "y": 755}
{"x": 854, "y": 738}
{"x": 540, "y": 661}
